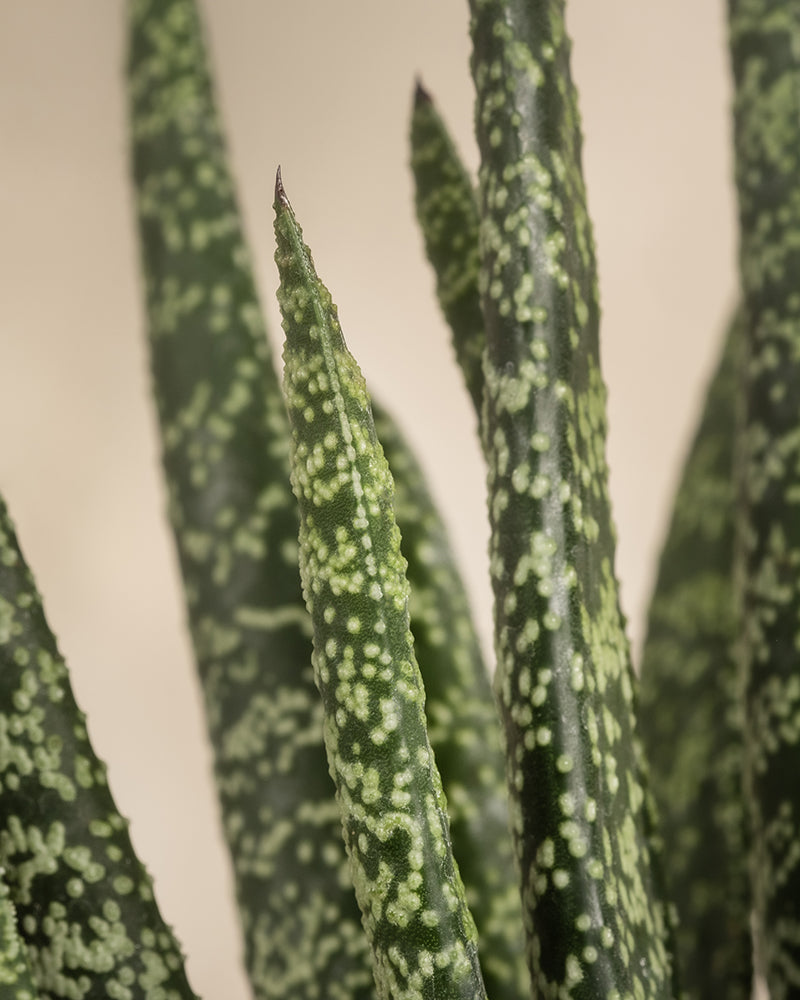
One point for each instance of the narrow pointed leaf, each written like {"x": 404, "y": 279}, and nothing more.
{"x": 447, "y": 210}
{"x": 564, "y": 677}
{"x": 16, "y": 975}
{"x": 463, "y": 724}
{"x": 389, "y": 790}
{"x": 765, "y": 53}
{"x": 690, "y": 708}
{"x": 225, "y": 435}
{"x": 84, "y": 903}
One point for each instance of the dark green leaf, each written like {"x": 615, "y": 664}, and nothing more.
{"x": 463, "y": 724}
{"x": 564, "y": 677}
{"x": 447, "y": 209}
{"x": 394, "y": 816}
{"x": 765, "y": 54}
{"x": 84, "y": 903}
{"x": 225, "y": 440}
{"x": 690, "y": 707}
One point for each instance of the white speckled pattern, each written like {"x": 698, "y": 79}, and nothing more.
{"x": 225, "y": 444}
{"x": 564, "y": 676}
{"x": 765, "y": 54}
{"x": 422, "y": 934}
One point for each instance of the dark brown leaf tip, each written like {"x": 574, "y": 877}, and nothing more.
{"x": 421, "y": 95}
{"x": 280, "y": 192}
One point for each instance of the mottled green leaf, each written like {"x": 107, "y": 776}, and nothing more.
{"x": 765, "y": 53}
{"x": 84, "y": 903}
{"x": 447, "y": 209}
{"x": 690, "y": 707}
{"x": 393, "y": 810}
{"x": 16, "y": 976}
{"x": 225, "y": 440}
{"x": 564, "y": 675}
{"x": 463, "y": 724}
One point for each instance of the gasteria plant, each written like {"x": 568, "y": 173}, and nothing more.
{"x": 580, "y": 833}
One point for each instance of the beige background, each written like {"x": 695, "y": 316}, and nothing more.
{"x": 323, "y": 88}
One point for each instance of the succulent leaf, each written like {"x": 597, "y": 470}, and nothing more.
{"x": 225, "y": 445}
{"x": 394, "y": 817}
{"x": 765, "y": 54}
{"x": 16, "y": 975}
{"x": 463, "y": 724}
{"x": 84, "y": 903}
{"x": 690, "y": 705}
{"x": 447, "y": 210}
{"x": 564, "y": 676}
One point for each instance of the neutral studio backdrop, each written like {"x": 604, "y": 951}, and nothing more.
{"x": 324, "y": 89}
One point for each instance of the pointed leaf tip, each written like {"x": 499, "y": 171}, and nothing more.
{"x": 421, "y": 95}
{"x": 280, "y": 192}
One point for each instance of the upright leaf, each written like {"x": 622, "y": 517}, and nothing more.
{"x": 690, "y": 707}
{"x": 765, "y": 52}
{"x": 225, "y": 436}
{"x": 463, "y": 725}
{"x": 393, "y": 811}
{"x": 564, "y": 675}
{"x": 84, "y": 903}
{"x": 447, "y": 210}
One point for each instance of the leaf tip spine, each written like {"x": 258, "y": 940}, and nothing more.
{"x": 281, "y": 201}
{"x": 421, "y": 95}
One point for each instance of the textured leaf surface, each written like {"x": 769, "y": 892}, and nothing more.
{"x": 765, "y": 52}
{"x": 84, "y": 903}
{"x": 16, "y": 976}
{"x": 463, "y": 724}
{"x": 389, "y": 791}
{"x": 447, "y": 210}
{"x": 225, "y": 437}
{"x": 690, "y": 707}
{"x": 564, "y": 676}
